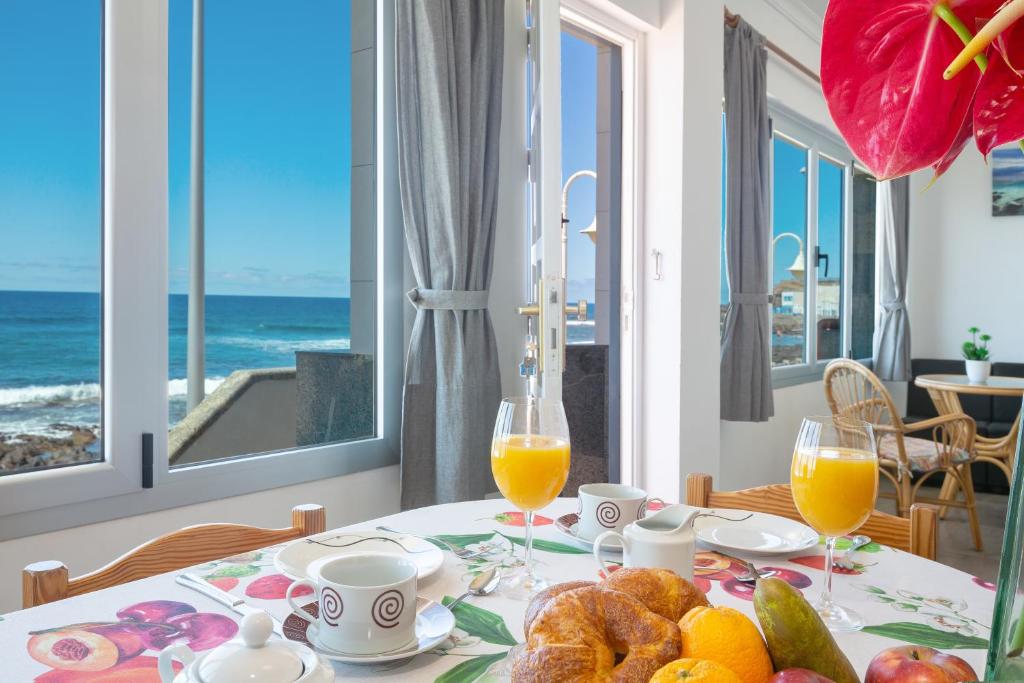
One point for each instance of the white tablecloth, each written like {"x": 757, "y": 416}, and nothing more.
{"x": 902, "y": 597}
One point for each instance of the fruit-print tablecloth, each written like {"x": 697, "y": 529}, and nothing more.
{"x": 119, "y": 631}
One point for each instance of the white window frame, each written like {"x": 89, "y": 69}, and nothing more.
{"x": 820, "y": 143}
{"x": 134, "y": 305}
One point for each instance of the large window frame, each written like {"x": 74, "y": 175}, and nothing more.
{"x": 135, "y": 306}
{"x": 821, "y": 144}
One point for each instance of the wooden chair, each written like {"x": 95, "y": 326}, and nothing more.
{"x": 916, "y": 535}
{"x": 44, "y": 582}
{"x": 853, "y": 391}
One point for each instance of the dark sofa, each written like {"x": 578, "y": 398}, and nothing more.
{"x": 993, "y": 415}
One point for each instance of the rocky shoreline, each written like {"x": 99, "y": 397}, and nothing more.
{"x": 23, "y": 452}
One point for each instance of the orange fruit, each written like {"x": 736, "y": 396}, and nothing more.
{"x": 727, "y": 637}
{"x": 694, "y": 671}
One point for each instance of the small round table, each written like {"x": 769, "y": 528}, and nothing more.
{"x": 945, "y": 392}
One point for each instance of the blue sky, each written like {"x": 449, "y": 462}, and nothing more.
{"x": 278, "y": 152}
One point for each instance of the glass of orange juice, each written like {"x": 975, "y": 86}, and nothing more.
{"x": 834, "y": 478}
{"x": 530, "y": 463}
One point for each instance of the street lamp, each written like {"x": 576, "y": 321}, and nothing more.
{"x": 590, "y": 231}
{"x": 798, "y": 267}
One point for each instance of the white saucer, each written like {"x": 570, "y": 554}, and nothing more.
{"x": 294, "y": 559}
{"x": 568, "y": 525}
{"x": 434, "y": 623}
{"x": 758, "y": 534}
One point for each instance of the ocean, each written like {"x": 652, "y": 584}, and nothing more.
{"x": 50, "y": 358}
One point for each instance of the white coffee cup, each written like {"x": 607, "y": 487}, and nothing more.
{"x": 609, "y": 507}
{"x": 367, "y": 602}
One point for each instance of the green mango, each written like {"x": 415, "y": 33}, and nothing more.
{"x": 796, "y": 635}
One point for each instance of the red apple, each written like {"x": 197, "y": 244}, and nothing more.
{"x": 918, "y": 664}
{"x": 799, "y": 676}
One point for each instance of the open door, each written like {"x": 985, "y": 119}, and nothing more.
{"x": 546, "y": 310}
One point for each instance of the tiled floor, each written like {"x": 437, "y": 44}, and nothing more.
{"x": 955, "y": 545}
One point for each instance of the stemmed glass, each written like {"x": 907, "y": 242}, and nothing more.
{"x": 834, "y": 478}
{"x": 530, "y": 463}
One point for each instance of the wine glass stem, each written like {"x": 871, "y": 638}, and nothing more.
{"x": 529, "y": 543}
{"x": 830, "y": 547}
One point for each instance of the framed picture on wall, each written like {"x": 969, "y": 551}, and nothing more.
{"x": 1008, "y": 181}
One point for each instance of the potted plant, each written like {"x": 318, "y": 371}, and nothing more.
{"x": 976, "y": 356}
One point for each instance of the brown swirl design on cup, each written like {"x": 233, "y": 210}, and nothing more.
{"x": 387, "y": 609}
{"x": 641, "y": 511}
{"x": 331, "y": 606}
{"x": 608, "y": 514}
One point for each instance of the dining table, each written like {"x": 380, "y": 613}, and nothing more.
{"x": 945, "y": 392}
{"x": 904, "y": 599}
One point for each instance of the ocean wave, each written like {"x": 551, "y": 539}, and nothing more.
{"x": 179, "y": 387}
{"x": 80, "y": 393}
{"x": 284, "y": 345}
{"x": 60, "y": 393}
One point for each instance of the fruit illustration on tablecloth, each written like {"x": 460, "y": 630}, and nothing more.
{"x": 244, "y": 558}
{"x": 796, "y": 635}
{"x": 818, "y": 562}
{"x": 983, "y": 583}
{"x": 918, "y": 664}
{"x": 273, "y": 587}
{"x": 136, "y": 670}
{"x": 225, "y": 583}
{"x": 728, "y": 637}
{"x": 199, "y": 630}
{"x": 517, "y": 518}
{"x": 154, "y": 611}
{"x": 745, "y": 590}
{"x": 695, "y": 671}
{"x": 702, "y": 583}
{"x": 83, "y": 649}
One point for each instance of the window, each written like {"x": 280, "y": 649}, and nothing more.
{"x": 299, "y": 359}
{"x": 50, "y": 223}
{"x": 823, "y": 250}
{"x": 271, "y": 348}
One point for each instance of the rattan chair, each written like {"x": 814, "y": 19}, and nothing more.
{"x": 44, "y": 582}
{"x": 914, "y": 535}
{"x": 853, "y": 391}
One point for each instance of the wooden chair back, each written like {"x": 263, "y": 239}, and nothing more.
{"x": 44, "y": 582}
{"x": 854, "y": 392}
{"x": 916, "y": 534}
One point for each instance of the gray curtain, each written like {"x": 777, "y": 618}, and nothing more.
{"x": 891, "y": 356}
{"x": 746, "y": 363}
{"x": 449, "y": 63}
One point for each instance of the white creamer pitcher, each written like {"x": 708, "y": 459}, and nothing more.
{"x": 664, "y": 540}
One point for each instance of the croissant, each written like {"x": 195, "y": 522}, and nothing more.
{"x": 661, "y": 590}
{"x": 578, "y": 633}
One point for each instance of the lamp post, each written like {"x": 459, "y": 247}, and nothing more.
{"x": 590, "y": 231}
{"x": 798, "y": 267}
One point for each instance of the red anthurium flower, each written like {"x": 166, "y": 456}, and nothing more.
{"x": 962, "y": 138}
{"x": 882, "y": 75}
{"x": 999, "y": 104}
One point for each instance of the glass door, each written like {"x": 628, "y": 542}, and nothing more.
{"x": 546, "y": 310}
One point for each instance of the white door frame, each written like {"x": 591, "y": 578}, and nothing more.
{"x": 590, "y": 16}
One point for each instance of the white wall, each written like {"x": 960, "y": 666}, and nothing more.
{"x": 964, "y": 264}
{"x": 348, "y": 499}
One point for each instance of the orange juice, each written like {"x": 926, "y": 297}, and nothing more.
{"x": 834, "y": 488}
{"x": 530, "y": 470}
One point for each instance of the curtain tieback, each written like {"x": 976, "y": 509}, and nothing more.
{"x": 448, "y": 299}
{"x": 893, "y": 306}
{"x": 746, "y": 299}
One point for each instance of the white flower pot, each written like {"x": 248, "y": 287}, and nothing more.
{"x": 978, "y": 371}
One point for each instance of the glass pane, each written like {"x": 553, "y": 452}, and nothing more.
{"x": 830, "y": 259}
{"x": 789, "y": 226}
{"x": 51, "y": 233}
{"x": 579, "y": 153}
{"x": 863, "y": 286}
{"x": 290, "y": 324}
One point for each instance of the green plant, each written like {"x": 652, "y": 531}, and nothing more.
{"x": 972, "y": 350}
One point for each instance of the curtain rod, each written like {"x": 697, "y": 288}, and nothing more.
{"x": 733, "y": 19}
